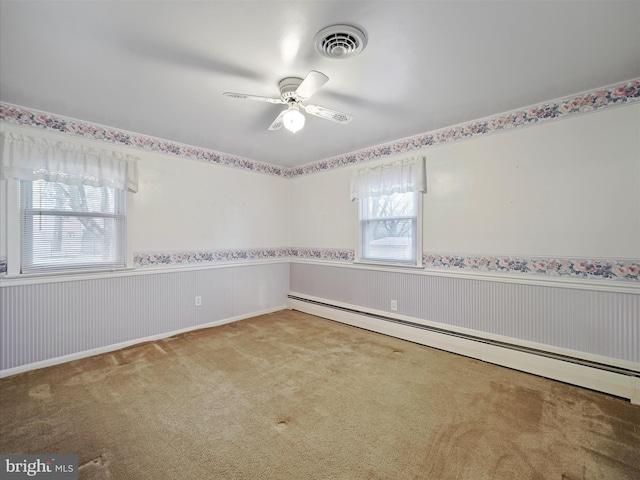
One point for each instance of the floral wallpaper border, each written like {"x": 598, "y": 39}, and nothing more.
{"x": 622, "y": 270}
{"x": 46, "y": 121}
{"x": 557, "y": 267}
{"x": 221, "y": 256}
{"x": 625, "y": 270}
{"x": 581, "y": 103}
{"x": 204, "y": 257}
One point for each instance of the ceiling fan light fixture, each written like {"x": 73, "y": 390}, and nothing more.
{"x": 293, "y": 120}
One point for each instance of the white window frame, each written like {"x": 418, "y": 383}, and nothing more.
{"x": 361, "y": 237}
{"x": 10, "y": 229}
{"x": 14, "y": 241}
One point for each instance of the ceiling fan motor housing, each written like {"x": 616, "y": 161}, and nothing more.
{"x": 288, "y": 87}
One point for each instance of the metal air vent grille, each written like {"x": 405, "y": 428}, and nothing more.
{"x": 340, "y": 41}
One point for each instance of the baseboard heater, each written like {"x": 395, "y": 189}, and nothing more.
{"x": 629, "y": 391}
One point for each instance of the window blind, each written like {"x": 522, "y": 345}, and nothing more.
{"x": 69, "y": 227}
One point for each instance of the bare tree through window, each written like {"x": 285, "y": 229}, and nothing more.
{"x": 389, "y": 227}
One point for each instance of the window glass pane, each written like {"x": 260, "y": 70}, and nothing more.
{"x": 72, "y": 198}
{"x": 388, "y": 227}
{"x": 389, "y": 240}
{"x": 396, "y": 205}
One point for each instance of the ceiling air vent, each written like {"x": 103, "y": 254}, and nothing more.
{"x": 340, "y": 41}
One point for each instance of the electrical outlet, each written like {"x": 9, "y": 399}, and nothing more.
{"x": 198, "y": 301}
{"x": 394, "y": 305}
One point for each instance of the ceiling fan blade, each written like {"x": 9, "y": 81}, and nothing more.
{"x": 278, "y": 122}
{"x": 328, "y": 114}
{"x": 311, "y": 84}
{"x": 168, "y": 52}
{"x": 257, "y": 98}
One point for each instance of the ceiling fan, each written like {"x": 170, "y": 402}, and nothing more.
{"x": 293, "y": 92}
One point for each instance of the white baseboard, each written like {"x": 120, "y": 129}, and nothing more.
{"x": 610, "y": 382}
{"x": 117, "y": 346}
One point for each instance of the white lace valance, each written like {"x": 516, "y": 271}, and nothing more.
{"x": 407, "y": 175}
{"x": 32, "y": 158}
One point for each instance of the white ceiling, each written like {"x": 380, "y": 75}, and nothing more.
{"x": 160, "y": 67}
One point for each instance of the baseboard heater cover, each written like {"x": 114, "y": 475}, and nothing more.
{"x": 626, "y": 382}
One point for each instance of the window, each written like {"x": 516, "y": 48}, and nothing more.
{"x": 390, "y": 212}
{"x": 66, "y": 227}
{"x": 389, "y": 228}
{"x": 66, "y": 205}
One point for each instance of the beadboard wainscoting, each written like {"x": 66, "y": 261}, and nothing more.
{"x": 50, "y": 322}
{"x": 581, "y": 336}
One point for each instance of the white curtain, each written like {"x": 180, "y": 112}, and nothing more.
{"x": 32, "y": 158}
{"x": 407, "y": 175}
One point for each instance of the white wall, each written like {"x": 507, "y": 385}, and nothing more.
{"x": 567, "y": 188}
{"x": 322, "y": 215}
{"x": 188, "y": 205}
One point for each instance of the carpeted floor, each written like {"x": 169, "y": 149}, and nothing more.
{"x": 292, "y": 396}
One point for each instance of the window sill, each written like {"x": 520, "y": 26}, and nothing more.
{"x": 388, "y": 264}
{"x": 68, "y": 276}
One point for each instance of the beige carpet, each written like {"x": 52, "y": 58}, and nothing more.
{"x": 291, "y": 396}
